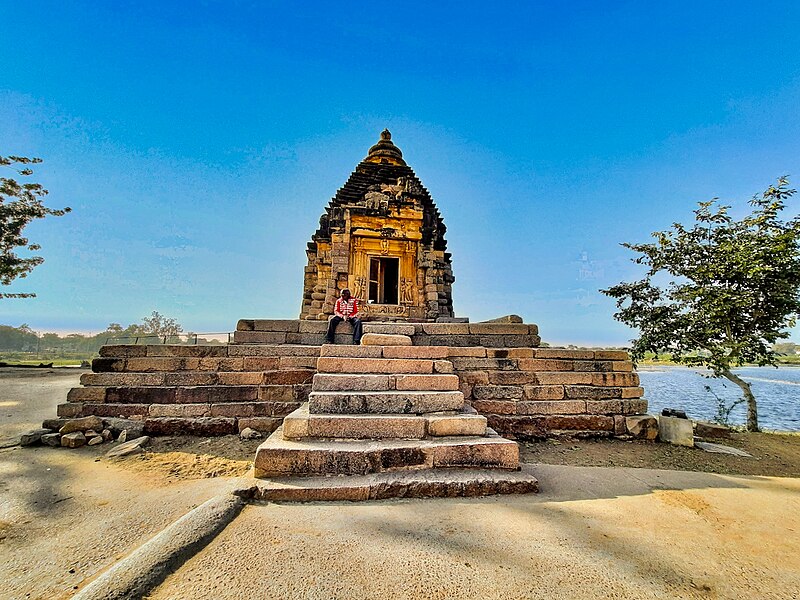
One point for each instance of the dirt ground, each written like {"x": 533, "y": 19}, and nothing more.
{"x": 66, "y": 515}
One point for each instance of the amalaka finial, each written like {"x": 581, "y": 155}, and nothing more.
{"x": 385, "y": 152}
{"x": 386, "y": 135}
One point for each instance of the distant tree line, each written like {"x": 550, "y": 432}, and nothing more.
{"x": 156, "y": 326}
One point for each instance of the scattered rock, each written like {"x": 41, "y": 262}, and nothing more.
{"x": 54, "y": 424}
{"x": 123, "y": 436}
{"x": 117, "y": 425}
{"x": 720, "y": 449}
{"x": 76, "y": 439}
{"x": 642, "y": 427}
{"x": 711, "y": 430}
{"x": 32, "y": 437}
{"x": 81, "y": 424}
{"x": 126, "y": 449}
{"x": 676, "y": 430}
{"x": 107, "y": 435}
{"x": 9, "y": 442}
{"x": 51, "y": 439}
{"x": 90, "y": 433}
{"x": 96, "y": 439}
{"x": 249, "y": 434}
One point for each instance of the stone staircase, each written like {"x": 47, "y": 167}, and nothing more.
{"x": 388, "y": 411}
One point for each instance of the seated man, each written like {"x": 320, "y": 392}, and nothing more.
{"x": 346, "y": 309}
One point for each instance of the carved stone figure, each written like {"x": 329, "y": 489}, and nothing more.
{"x": 375, "y": 200}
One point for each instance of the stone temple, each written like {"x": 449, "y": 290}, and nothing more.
{"x": 383, "y": 237}
{"x": 427, "y": 405}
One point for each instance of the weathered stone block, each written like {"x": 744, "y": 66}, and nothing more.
{"x": 623, "y": 366}
{"x": 462, "y": 424}
{"x": 314, "y": 327}
{"x": 384, "y": 402}
{"x": 406, "y": 329}
{"x": 383, "y": 339}
{"x": 120, "y": 379}
{"x": 81, "y": 424}
{"x": 140, "y": 395}
{"x": 443, "y": 366}
{"x": 633, "y": 392}
{"x": 487, "y": 453}
{"x": 474, "y": 377}
{"x": 51, "y": 439}
{"x": 220, "y": 364}
{"x": 619, "y": 425}
{"x": 520, "y": 352}
{"x": 615, "y": 379}
{"x": 108, "y": 365}
{"x": 245, "y": 325}
{"x": 466, "y": 351}
{"x": 190, "y": 378}
{"x": 543, "y": 392}
{"x": 424, "y": 382}
{"x": 53, "y": 424}
{"x": 373, "y": 365}
{"x": 323, "y": 382}
{"x": 519, "y": 427}
{"x": 259, "y": 337}
{"x": 334, "y": 350}
{"x": 259, "y": 363}
{"x": 366, "y": 426}
{"x": 634, "y": 407}
{"x": 539, "y": 364}
{"x": 446, "y": 328}
{"x": 276, "y": 393}
{"x": 642, "y": 427}
{"x": 498, "y": 364}
{"x": 297, "y": 362}
{"x": 90, "y": 394}
{"x": 563, "y": 353}
{"x": 287, "y": 377}
{"x": 711, "y": 430}
{"x": 115, "y": 410}
{"x": 188, "y": 351}
{"x": 498, "y": 328}
{"x": 229, "y": 378}
{"x": 277, "y": 325}
{"x": 274, "y": 351}
{"x": 123, "y": 351}
{"x": 215, "y": 394}
{"x": 33, "y": 437}
{"x": 551, "y": 407}
{"x": 676, "y": 431}
{"x": 579, "y": 423}
{"x": 242, "y": 409}
{"x": 69, "y": 409}
{"x": 496, "y": 392}
{"x": 207, "y": 426}
{"x": 430, "y": 352}
{"x": 611, "y": 355}
{"x": 179, "y": 410}
{"x": 604, "y": 407}
{"x": 562, "y": 378}
{"x": 497, "y": 407}
{"x": 151, "y": 365}
{"x": 591, "y": 392}
{"x": 511, "y": 377}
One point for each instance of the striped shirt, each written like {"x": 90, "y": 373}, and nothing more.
{"x": 346, "y": 308}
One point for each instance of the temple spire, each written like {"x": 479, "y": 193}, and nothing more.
{"x": 385, "y": 151}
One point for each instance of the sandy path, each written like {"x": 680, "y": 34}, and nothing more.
{"x": 592, "y": 533}
{"x": 63, "y": 516}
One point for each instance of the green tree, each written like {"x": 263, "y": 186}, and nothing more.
{"x": 20, "y": 203}
{"x": 161, "y": 326}
{"x": 720, "y": 293}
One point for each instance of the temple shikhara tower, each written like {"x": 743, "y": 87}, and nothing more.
{"x": 427, "y": 404}
{"x": 383, "y": 237}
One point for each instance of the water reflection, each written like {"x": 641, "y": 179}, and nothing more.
{"x": 777, "y": 391}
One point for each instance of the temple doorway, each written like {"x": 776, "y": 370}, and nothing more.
{"x": 384, "y": 279}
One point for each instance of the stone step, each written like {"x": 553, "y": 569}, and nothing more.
{"x": 302, "y": 424}
{"x": 339, "y": 382}
{"x": 397, "y": 402}
{"x": 423, "y": 352}
{"x": 374, "y": 365}
{"x": 427, "y": 483}
{"x": 406, "y": 329}
{"x": 188, "y": 378}
{"x": 385, "y": 339}
{"x": 278, "y": 457}
{"x": 190, "y": 394}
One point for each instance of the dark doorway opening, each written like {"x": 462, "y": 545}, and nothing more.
{"x": 384, "y": 279}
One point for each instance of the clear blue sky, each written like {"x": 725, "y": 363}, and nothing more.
{"x": 198, "y": 143}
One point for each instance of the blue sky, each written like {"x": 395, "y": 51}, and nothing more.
{"x": 198, "y": 143}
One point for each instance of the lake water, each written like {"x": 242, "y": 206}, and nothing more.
{"x": 777, "y": 391}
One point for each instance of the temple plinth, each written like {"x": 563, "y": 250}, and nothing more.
{"x": 381, "y": 236}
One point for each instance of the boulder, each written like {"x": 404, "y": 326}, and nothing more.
{"x": 81, "y": 424}
{"x": 53, "y": 424}
{"x": 32, "y": 437}
{"x": 135, "y": 446}
{"x": 51, "y": 439}
{"x": 642, "y": 427}
{"x": 123, "y": 436}
{"x": 107, "y": 435}
{"x": 711, "y": 430}
{"x": 96, "y": 439}
{"x": 249, "y": 434}
{"x": 76, "y": 439}
{"x": 675, "y": 430}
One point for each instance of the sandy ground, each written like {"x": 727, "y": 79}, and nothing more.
{"x": 65, "y": 515}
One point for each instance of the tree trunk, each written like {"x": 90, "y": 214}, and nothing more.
{"x": 752, "y": 408}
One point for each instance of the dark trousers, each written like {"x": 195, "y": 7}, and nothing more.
{"x": 334, "y": 323}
